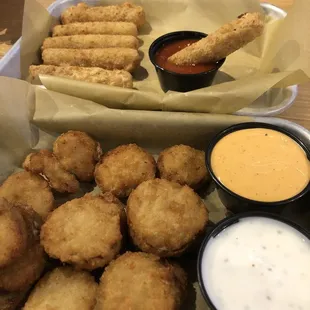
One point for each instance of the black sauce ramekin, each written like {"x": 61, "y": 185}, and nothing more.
{"x": 237, "y": 203}
{"x": 220, "y": 226}
{"x": 176, "y": 81}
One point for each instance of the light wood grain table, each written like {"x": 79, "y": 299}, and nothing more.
{"x": 299, "y": 112}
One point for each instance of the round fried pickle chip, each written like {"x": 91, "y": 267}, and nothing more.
{"x": 85, "y": 232}
{"x": 165, "y": 218}
{"x": 11, "y": 300}
{"x": 78, "y": 153}
{"x": 122, "y": 169}
{"x": 184, "y": 165}
{"x": 24, "y": 271}
{"x": 141, "y": 281}
{"x": 63, "y": 288}
{"x": 26, "y": 188}
{"x": 13, "y": 233}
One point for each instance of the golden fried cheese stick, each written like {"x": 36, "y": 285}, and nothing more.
{"x": 125, "y": 12}
{"x": 224, "y": 41}
{"x": 119, "y": 78}
{"x": 121, "y": 28}
{"x": 107, "y": 58}
{"x": 91, "y": 41}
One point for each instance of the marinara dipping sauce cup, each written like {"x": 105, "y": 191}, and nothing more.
{"x": 180, "y": 78}
{"x": 259, "y": 166}
{"x": 255, "y": 261}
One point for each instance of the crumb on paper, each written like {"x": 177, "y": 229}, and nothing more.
{"x": 3, "y": 32}
{"x": 4, "y": 47}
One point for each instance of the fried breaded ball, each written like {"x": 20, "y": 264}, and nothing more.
{"x": 122, "y": 169}
{"x": 184, "y": 165}
{"x": 141, "y": 281}
{"x": 10, "y": 300}
{"x": 86, "y": 232}
{"x": 24, "y": 271}
{"x": 45, "y": 164}
{"x": 63, "y": 289}
{"x": 13, "y": 233}
{"x": 164, "y": 217}
{"x": 78, "y": 153}
{"x": 26, "y": 188}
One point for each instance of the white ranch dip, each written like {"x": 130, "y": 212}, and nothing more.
{"x": 258, "y": 264}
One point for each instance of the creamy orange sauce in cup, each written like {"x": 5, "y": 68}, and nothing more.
{"x": 261, "y": 164}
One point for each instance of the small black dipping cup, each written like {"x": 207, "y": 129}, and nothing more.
{"x": 222, "y": 225}
{"x": 176, "y": 81}
{"x": 237, "y": 203}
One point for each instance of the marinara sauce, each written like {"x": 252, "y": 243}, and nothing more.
{"x": 171, "y": 48}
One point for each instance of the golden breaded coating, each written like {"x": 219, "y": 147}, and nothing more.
{"x": 86, "y": 232}
{"x": 165, "y": 218}
{"x": 120, "y": 78}
{"x": 63, "y": 289}
{"x": 120, "y": 58}
{"x": 33, "y": 224}
{"x": 13, "y": 233}
{"x": 125, "y": 12}
{"x": 122, "y": 169}
{"x": 224, "y": 41}
{"x": 114, "y": 28}
{"x": 24, "y": 271}
{"x": 78, "y": 153}
{"x": 19, "y": 188}
{"x": 141, "y": 281}
{"x": 91, "y": 41}
{"x": 10, "y": 300}
{"x": 184, "y": 165}
{"x": 45, "y": 164}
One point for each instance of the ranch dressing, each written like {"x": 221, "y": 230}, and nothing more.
{"x": 261, "y": 164}
{"x": 258, "y": 264}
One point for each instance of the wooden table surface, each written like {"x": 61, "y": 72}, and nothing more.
{"x": 12, "y": 19}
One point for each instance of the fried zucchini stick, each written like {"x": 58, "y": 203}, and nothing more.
{"x": 224, "y": 41}
{"x": 121, "y": 28}
{"x": 91, "y": 41}
{"x": 107, "y": 58}
{"x": 125, "y": 12}
{"x": 119, "y": 78}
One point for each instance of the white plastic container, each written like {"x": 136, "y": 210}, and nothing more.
{"x": 263, "y": 106}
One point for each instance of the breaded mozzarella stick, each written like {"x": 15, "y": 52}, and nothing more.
{"x": 119, "y": 78}
{"x": 224, "y": 41}
{"x": 125, "y": 12}
{"x": 107, "y": 58}
{"x": 91, "y": 41}
{"x": 121, "y": 28}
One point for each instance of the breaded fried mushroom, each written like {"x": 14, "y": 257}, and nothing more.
{"x": 46, "y": 164}
{"x": 86, "y": 232}
{"x": 63, "y": 289}
{"x": 19, "y": 188}
{"x": 165, "y": 218}
{"x": 122, "y": 169}
{"x": 184, "y": 165}
{"x": 141, "y": 281}
{"x": 78, "y": 153}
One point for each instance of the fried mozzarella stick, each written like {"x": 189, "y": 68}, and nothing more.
{"x": 91, "y": 41}
{"x": 224, "y": 41}
{"x": 120, "y": 28}
{"x": 119, "y": 78}
{"x": 107, "y": 58}
{"x": 125, "y": 12}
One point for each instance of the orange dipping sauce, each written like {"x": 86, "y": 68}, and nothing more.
{"x": 169, "y": 49}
